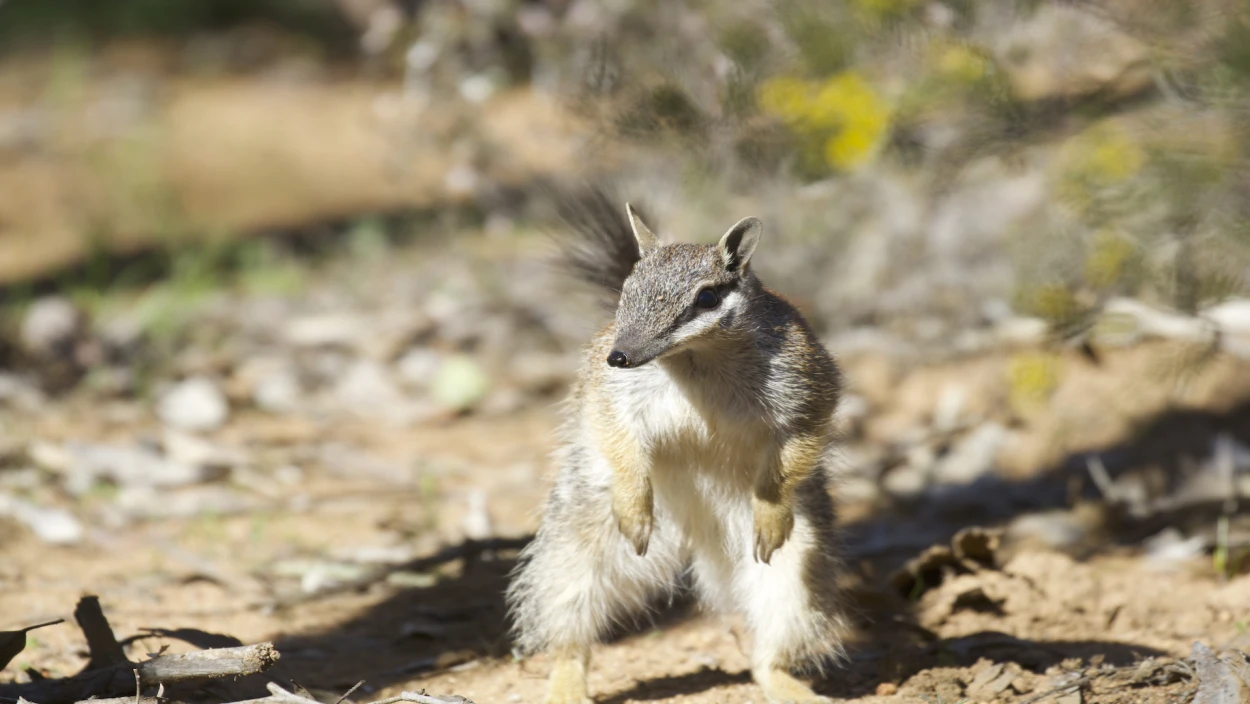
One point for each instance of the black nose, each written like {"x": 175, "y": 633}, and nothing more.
{"x": 618, "y": 359}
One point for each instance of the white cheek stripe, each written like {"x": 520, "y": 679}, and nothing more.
{"x": 703, "y": 323}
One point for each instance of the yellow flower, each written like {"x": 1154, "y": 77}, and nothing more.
{"x": 1095, "y": 166}
{"x": 1104, "y": 155}
{"x": 1107, "y": 259}
{"x": 1116, "y": 159}
{"x": 1031, "y": 377}
{"x": 962, "y": 64}
{"x": 844, "y": 112}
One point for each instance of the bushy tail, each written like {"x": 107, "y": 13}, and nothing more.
{"x": 596, "y": 244}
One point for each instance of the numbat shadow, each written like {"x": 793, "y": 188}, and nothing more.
{"x": 695, "y": 438}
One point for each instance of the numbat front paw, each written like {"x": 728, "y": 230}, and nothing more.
{"x": 635, "y": 522}
{"x": 773, "y": 524}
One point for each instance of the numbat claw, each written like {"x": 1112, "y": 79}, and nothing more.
{"x": 773, "y": 525}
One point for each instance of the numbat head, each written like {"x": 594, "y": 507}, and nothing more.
{"x": 681, "y": 296}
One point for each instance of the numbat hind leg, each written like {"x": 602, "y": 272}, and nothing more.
{"x": 568, "y": 678}
{"x": 580, "y": 576}
{"x": 792, "y": 604}
{"x": 780, "y": 687}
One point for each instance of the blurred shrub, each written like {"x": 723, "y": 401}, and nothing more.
{"x": 960, "y": 63}
{"x": 1096, "y": 165}
{"x": 884, "y": 9}
{"x": 26, "y": 24}
{"x": 1112, "y": 261}
{"x": 903, "y": 107}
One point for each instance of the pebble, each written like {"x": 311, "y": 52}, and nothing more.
{"x": 195, "y": 404}
{"x": 278, "y": 392}
{"x": 51, "y": 525}
{"x": 17, "y": 392}
{"x": 972, "y": 456}
{"x": 368, "y": 389}
{"x": 418, "y": 367}
{"x": 50, "y": 327}
{"x": 330, "y": 330}
{"x": 477, "y": 523}
{"x": 84, "y": 465}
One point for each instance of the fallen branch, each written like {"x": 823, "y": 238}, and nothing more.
{"x": 116, "y": 680}
{"x": 129, "y": 700}
{"x": 278, "y": 695}
{"x": 204, "y": 665}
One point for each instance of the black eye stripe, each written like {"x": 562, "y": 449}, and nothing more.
{"x": 693, "y": 310}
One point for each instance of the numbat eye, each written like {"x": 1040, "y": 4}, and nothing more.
{"x": 707, "y": 299}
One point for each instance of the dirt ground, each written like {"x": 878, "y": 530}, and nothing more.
{"x": 1026, "y": 617}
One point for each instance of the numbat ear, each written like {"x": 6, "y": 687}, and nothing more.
{"x": 737, "y": 246}
{"x": 647, "y": 240}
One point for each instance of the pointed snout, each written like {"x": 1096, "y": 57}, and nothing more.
{"x": 628, "y": 352}
{"x": 617, "y": 358}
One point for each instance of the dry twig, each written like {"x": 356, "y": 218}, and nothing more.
{"x": 110, "y": 674}
{"x": 278, "y": 695}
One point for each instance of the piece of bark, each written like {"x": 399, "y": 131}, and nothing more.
{"x": 207, "y": 664}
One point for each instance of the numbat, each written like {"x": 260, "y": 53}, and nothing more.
{"x": 695, "y": 439}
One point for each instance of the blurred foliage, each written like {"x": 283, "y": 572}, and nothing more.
{"x": 1145, "y": 182}
{"x": 31, "y": 24}
{"x": 1095, "y": 162}
{"x": 1112, "y": 261}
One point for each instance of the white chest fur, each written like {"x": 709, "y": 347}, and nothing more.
{"x": 711, "y": 426}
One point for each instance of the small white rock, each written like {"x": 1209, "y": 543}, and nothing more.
{"x": 49, "y": 325}
{"x": 195, "y": 404}
{"x": 477, "y": 88}
{"x": 477, "y": 523}
{"x": 51, "y": 525}
{"x": 418, "y": 367}
{"x": 186, "y": 449}
{"x": 972, "y": 456}
{"x": 278, "y": 392}
{"x": 19, "y": 393}
{"x": 138, "y": 465}
{"x": 330, "y": 330}
{"x": 289, "y": 474}
{"x": 367, "y": 389}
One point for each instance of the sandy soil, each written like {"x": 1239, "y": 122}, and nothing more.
{"x": 1039, "y": 614}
